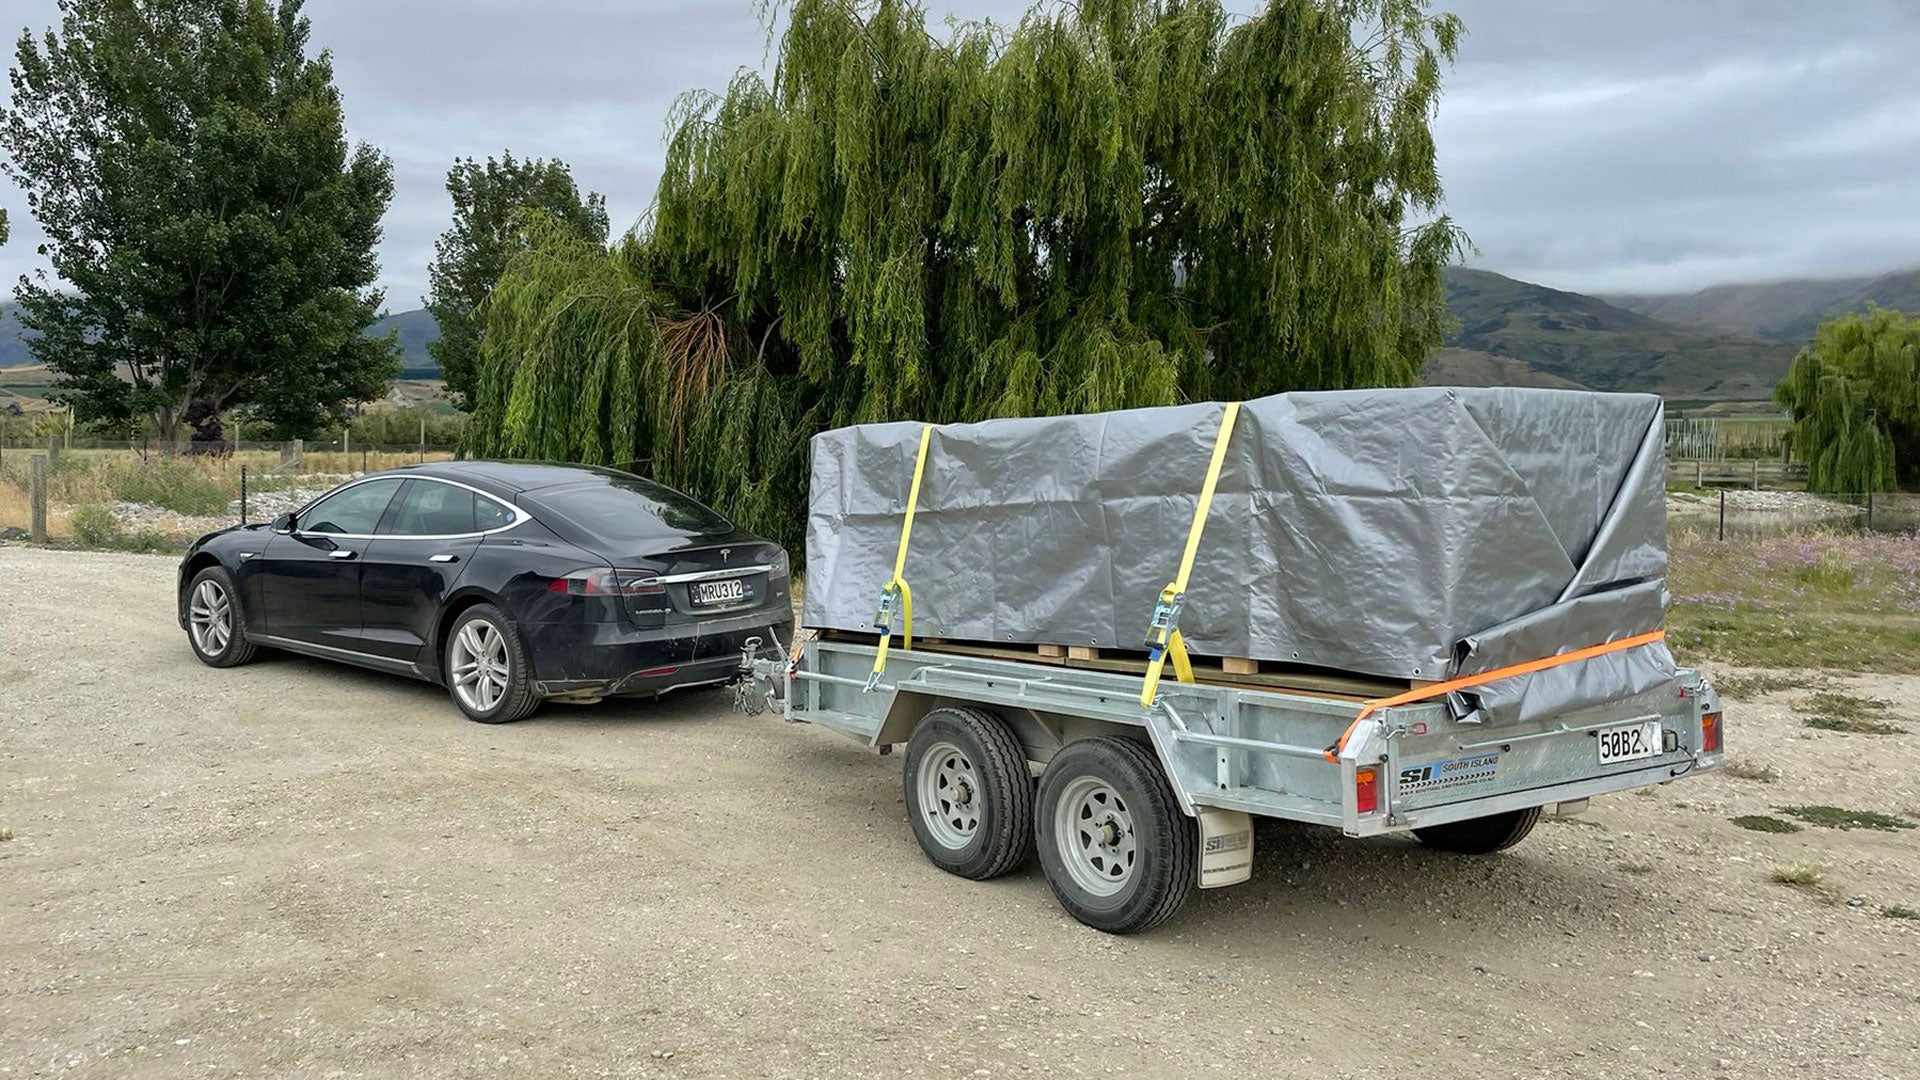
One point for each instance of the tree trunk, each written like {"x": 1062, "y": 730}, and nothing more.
{"x": 166, "y": 429}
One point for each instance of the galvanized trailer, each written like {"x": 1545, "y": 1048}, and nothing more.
{"x": 1135, "y": 806}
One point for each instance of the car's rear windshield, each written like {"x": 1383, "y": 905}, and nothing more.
{"x": 629, "y": 507}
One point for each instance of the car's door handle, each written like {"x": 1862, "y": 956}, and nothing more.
{"x": 444, "y": 558}
{"x": 341, "y": 553}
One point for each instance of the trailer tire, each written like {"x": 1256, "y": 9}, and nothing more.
{"x": 1118, "y": 852}
{"x": 1481, "y": 836}
{"x": 987, "y": 831}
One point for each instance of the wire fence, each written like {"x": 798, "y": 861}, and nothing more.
{"x": 140, "y": 495}
{"x": 1746, "y": 514}
{"x": 145, "y": 496}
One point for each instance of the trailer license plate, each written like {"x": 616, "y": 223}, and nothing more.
{"x": 1630, "y": 742}
{"x": 708, "y": 593}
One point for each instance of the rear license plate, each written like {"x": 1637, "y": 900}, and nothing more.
{"x": 710, "y": 593}
{"x": 1629, "y": 742}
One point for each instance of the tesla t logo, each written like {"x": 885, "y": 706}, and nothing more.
{"x": 725, "y": 554}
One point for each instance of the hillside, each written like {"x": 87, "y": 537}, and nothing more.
{"x": 417, "y": 329}
{"x": 1781, "y": 310}
{"x": 1465, "y": 367}
{"x": 1588, "y": 341}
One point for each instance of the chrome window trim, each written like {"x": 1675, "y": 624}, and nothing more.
{"x": 517, "y": 514}
{"x": 705, "y": 575}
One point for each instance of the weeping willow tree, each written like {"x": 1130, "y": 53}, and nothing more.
{"x": 1855, "y": 399}
{"x": 1113, "y": 203}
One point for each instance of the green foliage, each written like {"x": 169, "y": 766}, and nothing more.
{"x": 401, "y": 427}
{"x": 489, "y": 206}
{"x": 1763, "y": 823}
{"x": 1834, "y": 817}
{"x": 189, "y": 164}
{"x": 1855, "y": 399}
{"x": 1114, "y": 203}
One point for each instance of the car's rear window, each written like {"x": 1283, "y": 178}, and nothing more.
{"x": 616, "y": 508}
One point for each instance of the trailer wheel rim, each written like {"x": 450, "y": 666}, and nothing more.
{"x": 211, "y": 617}
{"x": 1094, "y": 832}
{"x": 950, "y": 795}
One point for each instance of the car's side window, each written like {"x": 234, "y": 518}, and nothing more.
{"x": 488, "y": 514}
{"x": 430, "y": 508}
{"x": 354, "y": 510}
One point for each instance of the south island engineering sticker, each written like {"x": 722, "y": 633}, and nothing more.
{"x": 1455, "y": 773}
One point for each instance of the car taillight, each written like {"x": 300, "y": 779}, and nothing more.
{"x": 1366, "y": 789}
{"x": 605, "y": 582}
{"x": 780, "y": 563}
{"x": 1710, "y": 733}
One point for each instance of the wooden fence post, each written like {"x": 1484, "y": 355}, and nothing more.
{"x": 37, "y": 497}
{"x": 53, "y": 450}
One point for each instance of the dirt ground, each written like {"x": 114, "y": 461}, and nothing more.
{"x": 300, "y": 870}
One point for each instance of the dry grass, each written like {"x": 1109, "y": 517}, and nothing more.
{"x": 195, "y": 486}
{"x": 1800, "y": 877}
{"x": 1747, "y": 770}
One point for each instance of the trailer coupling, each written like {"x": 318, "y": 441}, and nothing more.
{"x": 764, "y": 676}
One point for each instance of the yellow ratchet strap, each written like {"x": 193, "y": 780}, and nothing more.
{"x": 896, "y": 590}
{"x": 1163, "y": 634}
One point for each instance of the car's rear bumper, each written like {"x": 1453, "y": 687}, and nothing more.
{"x": 608, "y": 659}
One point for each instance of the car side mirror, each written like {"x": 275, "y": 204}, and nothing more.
{"x": 283, "y": 523}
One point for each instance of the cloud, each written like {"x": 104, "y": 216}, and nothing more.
{"x": 1629, "y": 145}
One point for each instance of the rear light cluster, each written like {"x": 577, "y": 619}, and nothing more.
{"x": 604, "y": 582}
{"x": 1710, "y": 733}
{"x": 1366, "y": 789}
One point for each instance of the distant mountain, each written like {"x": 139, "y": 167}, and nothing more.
{"x": 417, "y": 329}
{"x": 1781, "y": 310}
{"x": 1585, "y": 340}
{"x": 13, "y": 350}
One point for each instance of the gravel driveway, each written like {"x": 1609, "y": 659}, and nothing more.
{"x": 296, "y": 869}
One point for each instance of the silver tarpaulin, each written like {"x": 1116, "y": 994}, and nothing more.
{"x": 1410, "y": 534}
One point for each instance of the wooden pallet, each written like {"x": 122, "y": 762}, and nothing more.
{"x": 1217, "y": 671}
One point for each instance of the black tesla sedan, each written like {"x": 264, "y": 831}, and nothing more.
{"x": 507, "y": 582}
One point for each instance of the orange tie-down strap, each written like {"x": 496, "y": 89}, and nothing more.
{"x": 1442, "y": 689}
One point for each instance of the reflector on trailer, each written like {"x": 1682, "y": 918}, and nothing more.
{"x": 1366, "y": 789}
{"x": 1710, "y": 733}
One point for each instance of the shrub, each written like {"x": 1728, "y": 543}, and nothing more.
{"x": 95, "y": 525}
{"x": 1800, "y": 877}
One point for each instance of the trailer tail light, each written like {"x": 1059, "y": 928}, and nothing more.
{"x": 1710, "y": 733}
{"x": 1366, "y": 789}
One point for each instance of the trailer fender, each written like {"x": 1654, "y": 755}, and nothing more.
{"x": 1042, "y": 734}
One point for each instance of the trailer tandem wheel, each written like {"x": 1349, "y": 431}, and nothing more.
{"x": 1483, "y": 835}
{"x": 1117, "y": 850}
{"x": 969, "y": 793}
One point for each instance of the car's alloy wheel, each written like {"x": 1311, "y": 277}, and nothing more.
{"x": 479, "y": 667}
{"x": 214, "y": 626}
{"x": 487, "y": 670}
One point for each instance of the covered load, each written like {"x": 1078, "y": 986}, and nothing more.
{"x": 1418, "y": 534}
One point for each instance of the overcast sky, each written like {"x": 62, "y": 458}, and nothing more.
{"x": 1595, "y": 145}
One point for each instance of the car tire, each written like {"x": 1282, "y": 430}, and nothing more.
{"x": 486, "y": 667}
{"x": 1118, "y": 852}
{"x": 216, "y": 627}
{"x": 969, "y": 794}
{"x": 1481, "y": 836}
